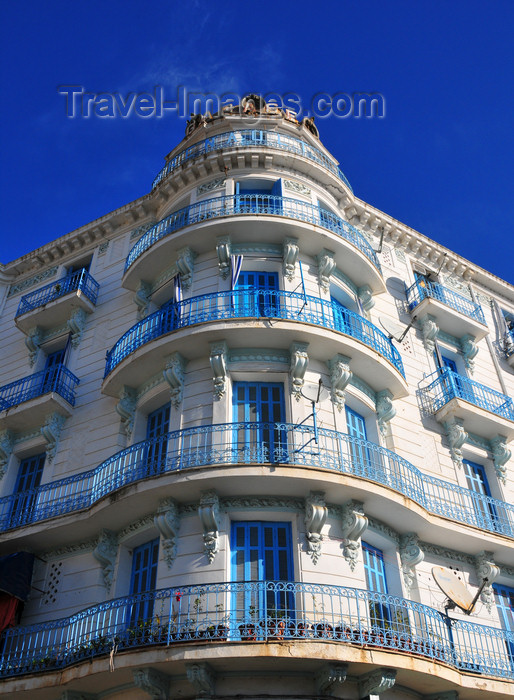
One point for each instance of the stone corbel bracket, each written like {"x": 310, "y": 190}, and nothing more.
{"x": 456, "y": 436}
{"x": 185, "y": 266}
{"x": 315, "y": 517}
{"x": 385, "y": 410}
{"x": 142, "y": 299}
{"x": 486, "y": 568}
{"x": 469, "y": 350}
{"x": 76, "y": 326}
{"x": 174, "y": 373}
{"x": 326, "y": 266}
{"x": 298, "y": 367}
{"x": 105, "y": 553}
{"x": 218, "y": 360}
{"x": 328, "y": 676}
{"x": 411, "y": 555}
{"x": 202, "y": 678}
{"x": 152, "y": 682}
{"x": 365, "y": 295}
{"x": 126, "y": 409}
{"x": 33, "y": 343}
{"x": 429, "y": 329}
{"x": 353, "y": 524}
{"x": 223, "y": 250}
{"x": 340, "y": 375}
{"x": 290, "y": 254}
{"x": 6, "y": 450}
{"x": 51, "y": 431}
{"x": 377, "y": 681}
{"x": 208, "y": 512}
{"x": 501, "y": 455}
{"x": 168, "y": 524}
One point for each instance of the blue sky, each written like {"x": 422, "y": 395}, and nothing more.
{"x": 440, "y": 161}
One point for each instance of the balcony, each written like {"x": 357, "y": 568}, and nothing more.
{"x": 259, "y": 612}
{"x": 232, "y": 444}
{"x": 250, "y": 138}
{"x": 445, "y": 394}
{"x": 247, "y": 218}
{"x": 52, "y": 305}
{"x": 454, "y": 313}
{"x": 134, "y": 357}
{"x": 28, "y": 401}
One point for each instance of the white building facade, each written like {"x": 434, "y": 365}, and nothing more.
{"x": 233, "y": 480}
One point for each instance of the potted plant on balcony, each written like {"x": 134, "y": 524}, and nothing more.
{"x": 248, "y": 629}
{"x": 275, "y": 624}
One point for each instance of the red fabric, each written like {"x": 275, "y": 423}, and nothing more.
{"x": 8, "y": 606}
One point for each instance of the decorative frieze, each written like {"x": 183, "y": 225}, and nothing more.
{"x": 155, "y": 683}
{"x": 326, "y": 266}
{"x": 353, "y": 524}
{"x": 31, "y": 281}
{"x": 385, "y": 410}
{"x": 315, "y": 518}
{"x": 469, "y": 351}
{"x": 411, "y": 555}
{"x": 258, "y": 355}
{"x": 223, "y": 250}
{"x": 136, "y": 526}
{"x": 501, "y": 455}
{"x": 340, "y": 376}
{"x": 126, "y": 409}
{"x": 105, "y": 553}
{"x": 167, "y": 522}
{"x": 486, "y": 569}
{"x": 215, "y": 184}
{"x": 429, "y": 329}
{"x": 298, "y": 187}
{"x": 142, "y": 299}
{"x": 456, "y": 436}
{"x": 6, "y": 448}
{"x": 76, "y": 326}
{"x": 208, "y": 512}
{"x": 261, "y": 502}
{"x": 185, "y": 266}
{"x": 328, "y": 676}
{"x": 290, "y": 254}
{"x": 174, "y": 373}
{"x": 51, "y": 431}
{"x": 298, "y": 367}
{"x": 218, "y": 360}
{"x": 33, "y": 343}
{"x": 141, "y": 230}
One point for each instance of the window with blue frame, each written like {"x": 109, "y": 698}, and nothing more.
{"x": 259, "y": 406}
{"x": 28, "y": 479}
{"x": 477, "y": 483}
{"x": 143, "y": 578}
{"x": 376, "y": 583}
{"x": 257, "y": 294}
{"x": 54, "y": 362}
{"x": 504, "y": 597}
{"x": 263, "y": 197}
{"x": 157, "y": 427}
{"x": 356, "y": 428}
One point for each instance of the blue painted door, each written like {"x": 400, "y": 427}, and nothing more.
{"x": 456, "y": 386}
{"x": 260, "y": 406}
{"x": 157, "y": 427}
{"x": 375, "y": 582}
{"x": 505, "y": 603}
{"x": 261, "y": 551}
{"x": 257, "y": 294}
{"x": 54, "y": 361}
{"x": 477, "y": 482}
{"x": 347, "y": 322}
{"x": 356, "y": 428}
{"x": 29, "y": 478}
{"x": 143, "y": 578}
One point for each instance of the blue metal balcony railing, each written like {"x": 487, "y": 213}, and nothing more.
{"x": 256, "y": 303}
{"x": 236, "y": 205}
{"x": 257, "y": 443}
{"x": 246, "y": 138}
{"x": 444, "y": 385}
{"x": 58, "y": 379}
{"x": 424, "y": 289}
{"x": 77, "y": 281}
{"x": 258, "y": 611}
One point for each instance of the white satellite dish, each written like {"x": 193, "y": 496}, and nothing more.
{"x": 395, "y": 331}
{"x": 454, "y": 588}
{"x": 314, "y": 392}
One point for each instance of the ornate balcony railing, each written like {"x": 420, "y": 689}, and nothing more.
{"x": 444, "y": 385}
{"x": 236, "y": 205}
{"x": 256, "y": 303}
{"x": 77, "y": 281}
{"x": 247, "y": 138}
{"x": 57, "y": 379}
{"x": 258, "y": 611}
{"x": 424, "y": 289}
{"x": 257, "y": 443}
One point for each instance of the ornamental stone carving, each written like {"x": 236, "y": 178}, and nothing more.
{"x": 429, "y": 329}
{"x": 329, "y": 675}
{"x": 76, "y": 326}
{"x": 411, "y": 555}
{"x": 298, "y": 367}
{"x": 173, "y": 373}
{"x": 294, "y": 186}
{"x": 486, "y": 569}
{"x": 185, "y": 265}
{"x": 202, "y": 678}
{"x": 105, "y": 553}
{"x": 51, "y": 431}
{"x": 365, "y": 295}
{"x": 340, "y": 375}
{"x": 152, "y": 682}
{"x": 385, "y": 410}
{"x": 223, "y": 250}
{"x": 218, "y": 360}
{"x": 126, "y": 409}
{"x": 142, "y": 299}
{"x": 6, "y": 448}
{"x": 456, "y": 436}
{"x": 326, "y": 266}
{"x": 377, "y": 681}
{"x": 469, "y": 351}
{"x": 501, "y": 455}
{"x": 290, "y": 254}
{"x": 33, "y": 342}
{"x": 208, "y": 512}
{"x": 215, "y": 184}
{"x": 167, "y": 522}
{"x": 315, "y": 517}
{"x": 353, "y": 524}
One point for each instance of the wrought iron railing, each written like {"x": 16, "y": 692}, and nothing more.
{"x": 77, "y": 281}
{"x": 257, "y": 443}
{"x": 258, "y": 611}
{"x": 246, "y": 138}
{"x": 58, "y": 379}
{"x": 424, "y": 289}
{"x": 252, "y": 304}
{"x": 444, "y": 385}
{"x": 239, "y": 204}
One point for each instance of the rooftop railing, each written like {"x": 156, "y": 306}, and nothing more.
{"x": 424, "y": 289}
{"x": 444, "y": 385}
{"x": 240, "y": 204}
{"x": 57, "y": 379}
{"x": 258, "y": 611}
{"x": 257, "y": 443}
{"x": 255, "y": 303}
{"x": 247, "y": 138}
{"x": 77, "y": 281}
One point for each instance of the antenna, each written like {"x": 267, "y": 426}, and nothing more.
{"x": 394, "y": 330}
{"x": 442, "y": 263}
{"x": 313, "y": 393}
{"x": 458, "y": 594}
{"x": 380, "y": 243}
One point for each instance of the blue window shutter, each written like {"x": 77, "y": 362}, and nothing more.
{"x": 263, "y": 404}
{"x": 355, "y": 423}
{"x": 157, "y": 427}
{"x": 505, "y": 604}
{"x": 143, "y": 578}
{"x": 29, "y": 477}
{"x": 276, "y": 190}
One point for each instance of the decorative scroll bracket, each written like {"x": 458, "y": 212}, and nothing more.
{"x": 469, "y": 350}
{"x": 298, "y": 367}
{"x": 457, "y": 436}
{"x": 223, "y": 249}
{"x": 429, "y": 329}
{"x": 173, "y": 373}
{"x": 377, "y": 681}
{"x": 126, "y": 409}
{"x": 290, "y": 254}
{"x": 208, "y": 512}
{"x": 76, "y": 326}
{"x": 365, "y": 295}
{"x": 411, "y": 555}
{"x": 353, "y": 523}
{"x": 340, "y": 375}
{"x": 315, "y": 516}
{"x": 167, "y": 522}
{"x": 218, "y": 360}
{"x": 152, "y": 682}
{"x": 202, "y": 678}
{"x": 51, "y": 431}
{"x": 33, "y": 343}
{"x": 385, "y": 410}
{"x": 185, "y": 266}
{"x": 326, "y": 266}
{"x": 486, "y": 568}
{"x": 105, "y": 553}
{"x": 6, "y": 449}
{"x": 501, "y": 455}
{"x": 142, "y": 299}
{"x": 329, "y": 675}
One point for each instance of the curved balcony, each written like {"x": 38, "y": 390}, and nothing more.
{"x": 52, "y": 305}
{"x": 453, "y": 313}
{"x": 373, "y": 355}
{"x": 30, "y": 400}
{"x": 250, "y": 138}
{"x": 258, "y": 612}
{"x": 485, "y": 411}
{"x": 291, "y": 217}
{"x": 255, "y": 444}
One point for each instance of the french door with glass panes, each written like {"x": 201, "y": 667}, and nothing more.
{"x": 259, "y": 411}
{"x": 256, "y": 294}
{"x": 157, "y": 427}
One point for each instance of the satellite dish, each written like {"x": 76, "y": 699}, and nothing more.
{"x": 395, "y": 330}
{"x": 453, "y": 588}
{"x": 314, "y": 392}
